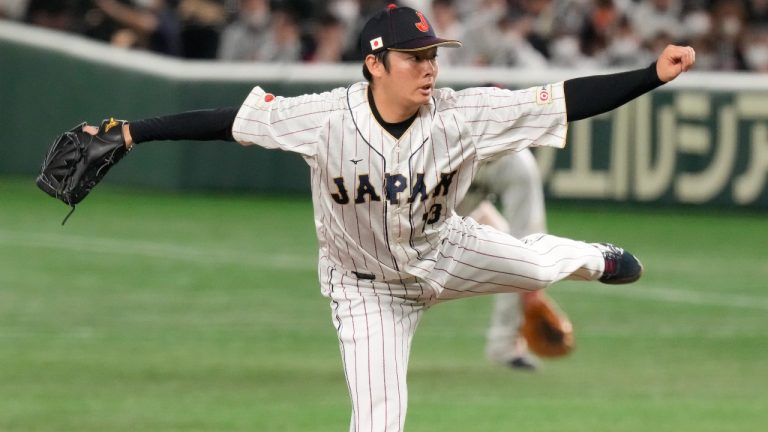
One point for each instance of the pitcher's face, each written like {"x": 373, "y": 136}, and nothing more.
{"x": 411, "y": 76}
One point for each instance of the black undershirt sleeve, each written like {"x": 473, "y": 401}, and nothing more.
{"x": 201, "y": 125}
{"x": 593, "y": 95}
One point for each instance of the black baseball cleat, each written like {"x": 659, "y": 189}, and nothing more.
{"x": 523, "y": 363}
{"x": 621, "y": 267}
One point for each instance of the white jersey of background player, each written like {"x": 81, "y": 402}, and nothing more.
{"x": 391, "y": 245}
{"x": 514, "y": 182}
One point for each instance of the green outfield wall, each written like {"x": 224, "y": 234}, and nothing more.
{"x": 702, "y": 140}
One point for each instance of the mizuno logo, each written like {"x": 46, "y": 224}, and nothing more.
{"x": 112, "y": 123}
{"x": 355, "y": 161}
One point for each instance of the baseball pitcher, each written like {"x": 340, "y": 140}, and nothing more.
{"x": 390, "y": 158}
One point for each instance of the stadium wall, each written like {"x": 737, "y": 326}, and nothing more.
{"x": 700, "y": 140}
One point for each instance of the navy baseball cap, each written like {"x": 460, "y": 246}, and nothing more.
{"x": 400, "y": 28}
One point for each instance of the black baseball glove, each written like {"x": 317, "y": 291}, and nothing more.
{"x": 77, "y": 161}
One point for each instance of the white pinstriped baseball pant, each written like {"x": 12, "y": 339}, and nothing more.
{"x": 375, "y": 321}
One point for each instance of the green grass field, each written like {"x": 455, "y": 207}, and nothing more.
{"x": 164, "y": 312}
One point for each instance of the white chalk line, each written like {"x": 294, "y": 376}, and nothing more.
{"x": 676, "y": 295}
{"x": 151, "y": 249}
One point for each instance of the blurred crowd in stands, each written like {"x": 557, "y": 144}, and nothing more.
{"x": 727, "y": 34}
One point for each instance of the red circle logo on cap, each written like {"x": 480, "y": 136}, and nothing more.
{"x": 391, "y": 6}
{"x": 269, "y": 97}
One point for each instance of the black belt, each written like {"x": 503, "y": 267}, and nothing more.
{"x": 366, "y": 276}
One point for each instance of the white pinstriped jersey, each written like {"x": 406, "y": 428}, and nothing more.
{"x": 380, "y": 203}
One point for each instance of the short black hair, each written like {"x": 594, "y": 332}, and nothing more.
{"x": 382, "y": 56}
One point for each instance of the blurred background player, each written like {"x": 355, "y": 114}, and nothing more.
{"x": 513, "y": 182}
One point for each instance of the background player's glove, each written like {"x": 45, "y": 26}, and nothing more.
{"x": 546, "y": 328}
{"x": 77, "y": 161}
